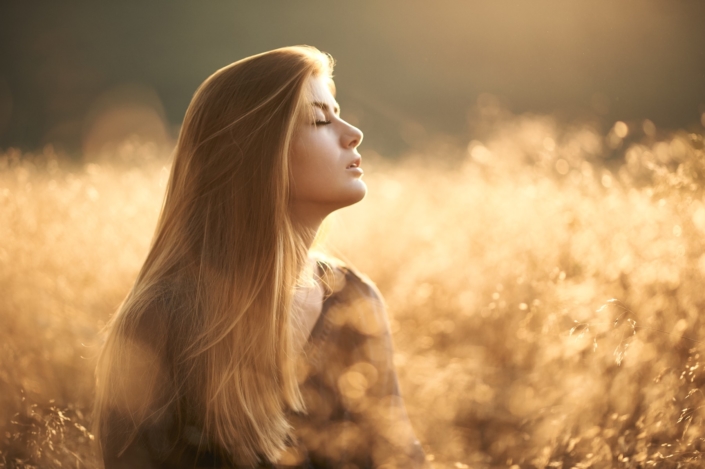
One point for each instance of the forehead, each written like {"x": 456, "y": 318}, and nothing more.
{"x": 320, "y": 89}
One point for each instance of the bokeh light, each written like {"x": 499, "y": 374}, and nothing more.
{"x": 498, "y": 263}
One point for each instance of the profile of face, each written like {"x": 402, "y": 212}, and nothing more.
{"x": 325, "y": 168}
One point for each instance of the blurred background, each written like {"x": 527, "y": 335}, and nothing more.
{"x": 79, "y": 73}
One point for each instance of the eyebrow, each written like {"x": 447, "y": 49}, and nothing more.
{"x": 324, "y": 107}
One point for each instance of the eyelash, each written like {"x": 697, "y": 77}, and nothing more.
{"x": 318, "y": 123}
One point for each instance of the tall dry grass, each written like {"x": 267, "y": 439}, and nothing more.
{"x": 545, "y": 289}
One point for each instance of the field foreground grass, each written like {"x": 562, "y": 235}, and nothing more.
{"x": 545, "y": 299}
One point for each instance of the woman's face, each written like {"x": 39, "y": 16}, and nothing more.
{"x": 325, "y": 166}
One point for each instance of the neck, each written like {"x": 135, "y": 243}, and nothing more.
{"x": 306, "y": 224}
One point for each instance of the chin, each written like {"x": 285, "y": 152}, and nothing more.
{"x": 360, "y": 193}
{"x": 352, "y": 196}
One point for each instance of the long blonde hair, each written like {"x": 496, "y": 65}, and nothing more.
{"x": 207, "y": 327}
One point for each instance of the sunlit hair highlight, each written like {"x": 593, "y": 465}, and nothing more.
{"x": 206, "y": 328}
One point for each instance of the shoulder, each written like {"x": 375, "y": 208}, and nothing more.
{"x": 355, "y": 304}
{"x": 341, "y": 277}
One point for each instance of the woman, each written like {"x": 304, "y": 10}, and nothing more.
{"x": 237, "y": 346}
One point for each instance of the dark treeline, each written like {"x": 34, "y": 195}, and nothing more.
{"x": 407, "y": 69}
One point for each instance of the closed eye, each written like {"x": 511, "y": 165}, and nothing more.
{"x": 325, "y": 109}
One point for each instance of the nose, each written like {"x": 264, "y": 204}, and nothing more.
{"x": 352, "y": 137}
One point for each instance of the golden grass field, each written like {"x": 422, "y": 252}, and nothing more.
{"x": 545, "y": 290}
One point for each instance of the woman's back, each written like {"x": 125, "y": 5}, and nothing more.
{"x": 355, "y": 414}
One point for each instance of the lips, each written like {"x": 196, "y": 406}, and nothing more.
{"x": 355, "y": 163}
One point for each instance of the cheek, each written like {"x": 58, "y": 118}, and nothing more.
{"x": 317, "y": 175}
{"x": 301, "y": 171}
{"x": 303, "y": 164}
{"x": 311, "y": 177}
{"x": 312, "y": 165}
